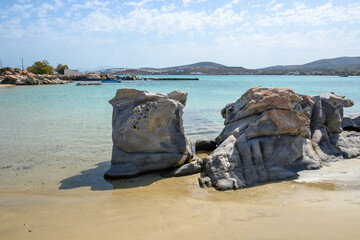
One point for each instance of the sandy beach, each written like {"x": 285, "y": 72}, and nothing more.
{"x": 7, "y": 85}
{"x": 56, "y": 148}
{"x": 321, "y": 204}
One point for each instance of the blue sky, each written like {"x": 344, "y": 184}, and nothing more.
{"x": 158, "y": 33}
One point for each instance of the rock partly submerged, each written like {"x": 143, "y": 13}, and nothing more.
{"x": 148, "y": 133}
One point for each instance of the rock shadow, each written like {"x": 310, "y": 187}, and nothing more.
{"x": 94, "y": 178}
{"x": 139, "y": 181}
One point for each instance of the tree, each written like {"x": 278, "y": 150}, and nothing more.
{"x": 60, "y": 69}
{"x": 41, "y": 68}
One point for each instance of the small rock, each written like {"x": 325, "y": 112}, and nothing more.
{"x": 205, "y": 145}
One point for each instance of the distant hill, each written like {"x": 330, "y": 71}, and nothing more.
{"x": 334, "y": 63}
{"x": 203, "y": 65}
{"x": 194, "y": 65}
{"x": 337, "y": 64}
{"x": 331, "y": 66}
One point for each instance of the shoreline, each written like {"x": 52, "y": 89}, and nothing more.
{"x": 7, "y": 85}
{"x": 175, "y": 208}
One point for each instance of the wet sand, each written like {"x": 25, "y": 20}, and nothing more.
{"x": 323, "y": 204}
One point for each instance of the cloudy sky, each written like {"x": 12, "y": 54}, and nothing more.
{"x": 160, "y": 33}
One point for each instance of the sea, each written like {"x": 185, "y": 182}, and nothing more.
{"x": 55, "y": 145}
{"x": 63, "y": 129}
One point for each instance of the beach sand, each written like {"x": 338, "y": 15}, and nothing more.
{"x": 320, "y": 204}
{"x": 7, "y": 85}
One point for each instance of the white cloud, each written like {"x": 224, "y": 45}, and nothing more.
{"x": 187, "y": 3}
{"x": 317, "y": 16}
{"x": 287, "y": 47}
{"x": 95, "y": 4}
{"x": 22, "y": 9}
{"x": 46, "y": 7}
{"x": 164, "y": 21}
{"x": 233, "y": 33}
{"x": 277, "y": 7}
{"x": 271, "y": 3}
{"x": 138, "y": 4}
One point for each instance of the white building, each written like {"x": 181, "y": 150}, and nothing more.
{"x": 72, "y": 72}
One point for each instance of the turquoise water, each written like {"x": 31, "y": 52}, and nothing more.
{"x": 68, "y": 125}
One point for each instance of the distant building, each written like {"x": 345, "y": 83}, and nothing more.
{"x": 179, "y": 70}
{"x": 72, "y": 72}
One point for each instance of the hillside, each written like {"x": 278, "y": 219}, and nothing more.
{"x": 331, "y": 66}
{"x": 336, "y": 64}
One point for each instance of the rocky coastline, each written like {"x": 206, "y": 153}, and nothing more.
{"x": 23, "y": 77}
{"x": 270, "y": 134}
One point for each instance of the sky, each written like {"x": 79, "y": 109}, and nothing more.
{"x": 97, "y": 34}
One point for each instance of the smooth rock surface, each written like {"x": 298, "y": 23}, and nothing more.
{"x": 148, "y": 133}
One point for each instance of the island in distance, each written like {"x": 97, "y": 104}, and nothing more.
{"x": 334, "y": 66}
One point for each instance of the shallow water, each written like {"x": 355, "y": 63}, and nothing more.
{"x": 67, "y": 128}
{"x": 55, "y": 144}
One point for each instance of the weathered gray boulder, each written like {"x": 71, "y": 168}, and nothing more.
{"x": 266, "y": 138}
{"x": 351, "y": 122}
{"x": 148, "y": 133}
{"x": 259, "y": 101}
{"x": 11, "y": 79}
{"x": 326, "y": 124}
{"x": 272, "y": 133}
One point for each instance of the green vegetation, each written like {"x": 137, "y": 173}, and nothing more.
{"x": 41, "y": 68}
{"x": 45, "y": 68}
{"x": 60, "y": 69}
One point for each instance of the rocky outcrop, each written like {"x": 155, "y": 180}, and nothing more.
{"x": 22, "y": 77}
{"x": 88, "y": 84}
{"x": 272, "y": 133}
{"x": 326, "y": 125}
{"x": 148, "y": 133}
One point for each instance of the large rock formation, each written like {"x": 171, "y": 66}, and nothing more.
{"x": 23, "y": 77}
{"x": 270, "y": 134}
{"x": 148, "y": 132}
